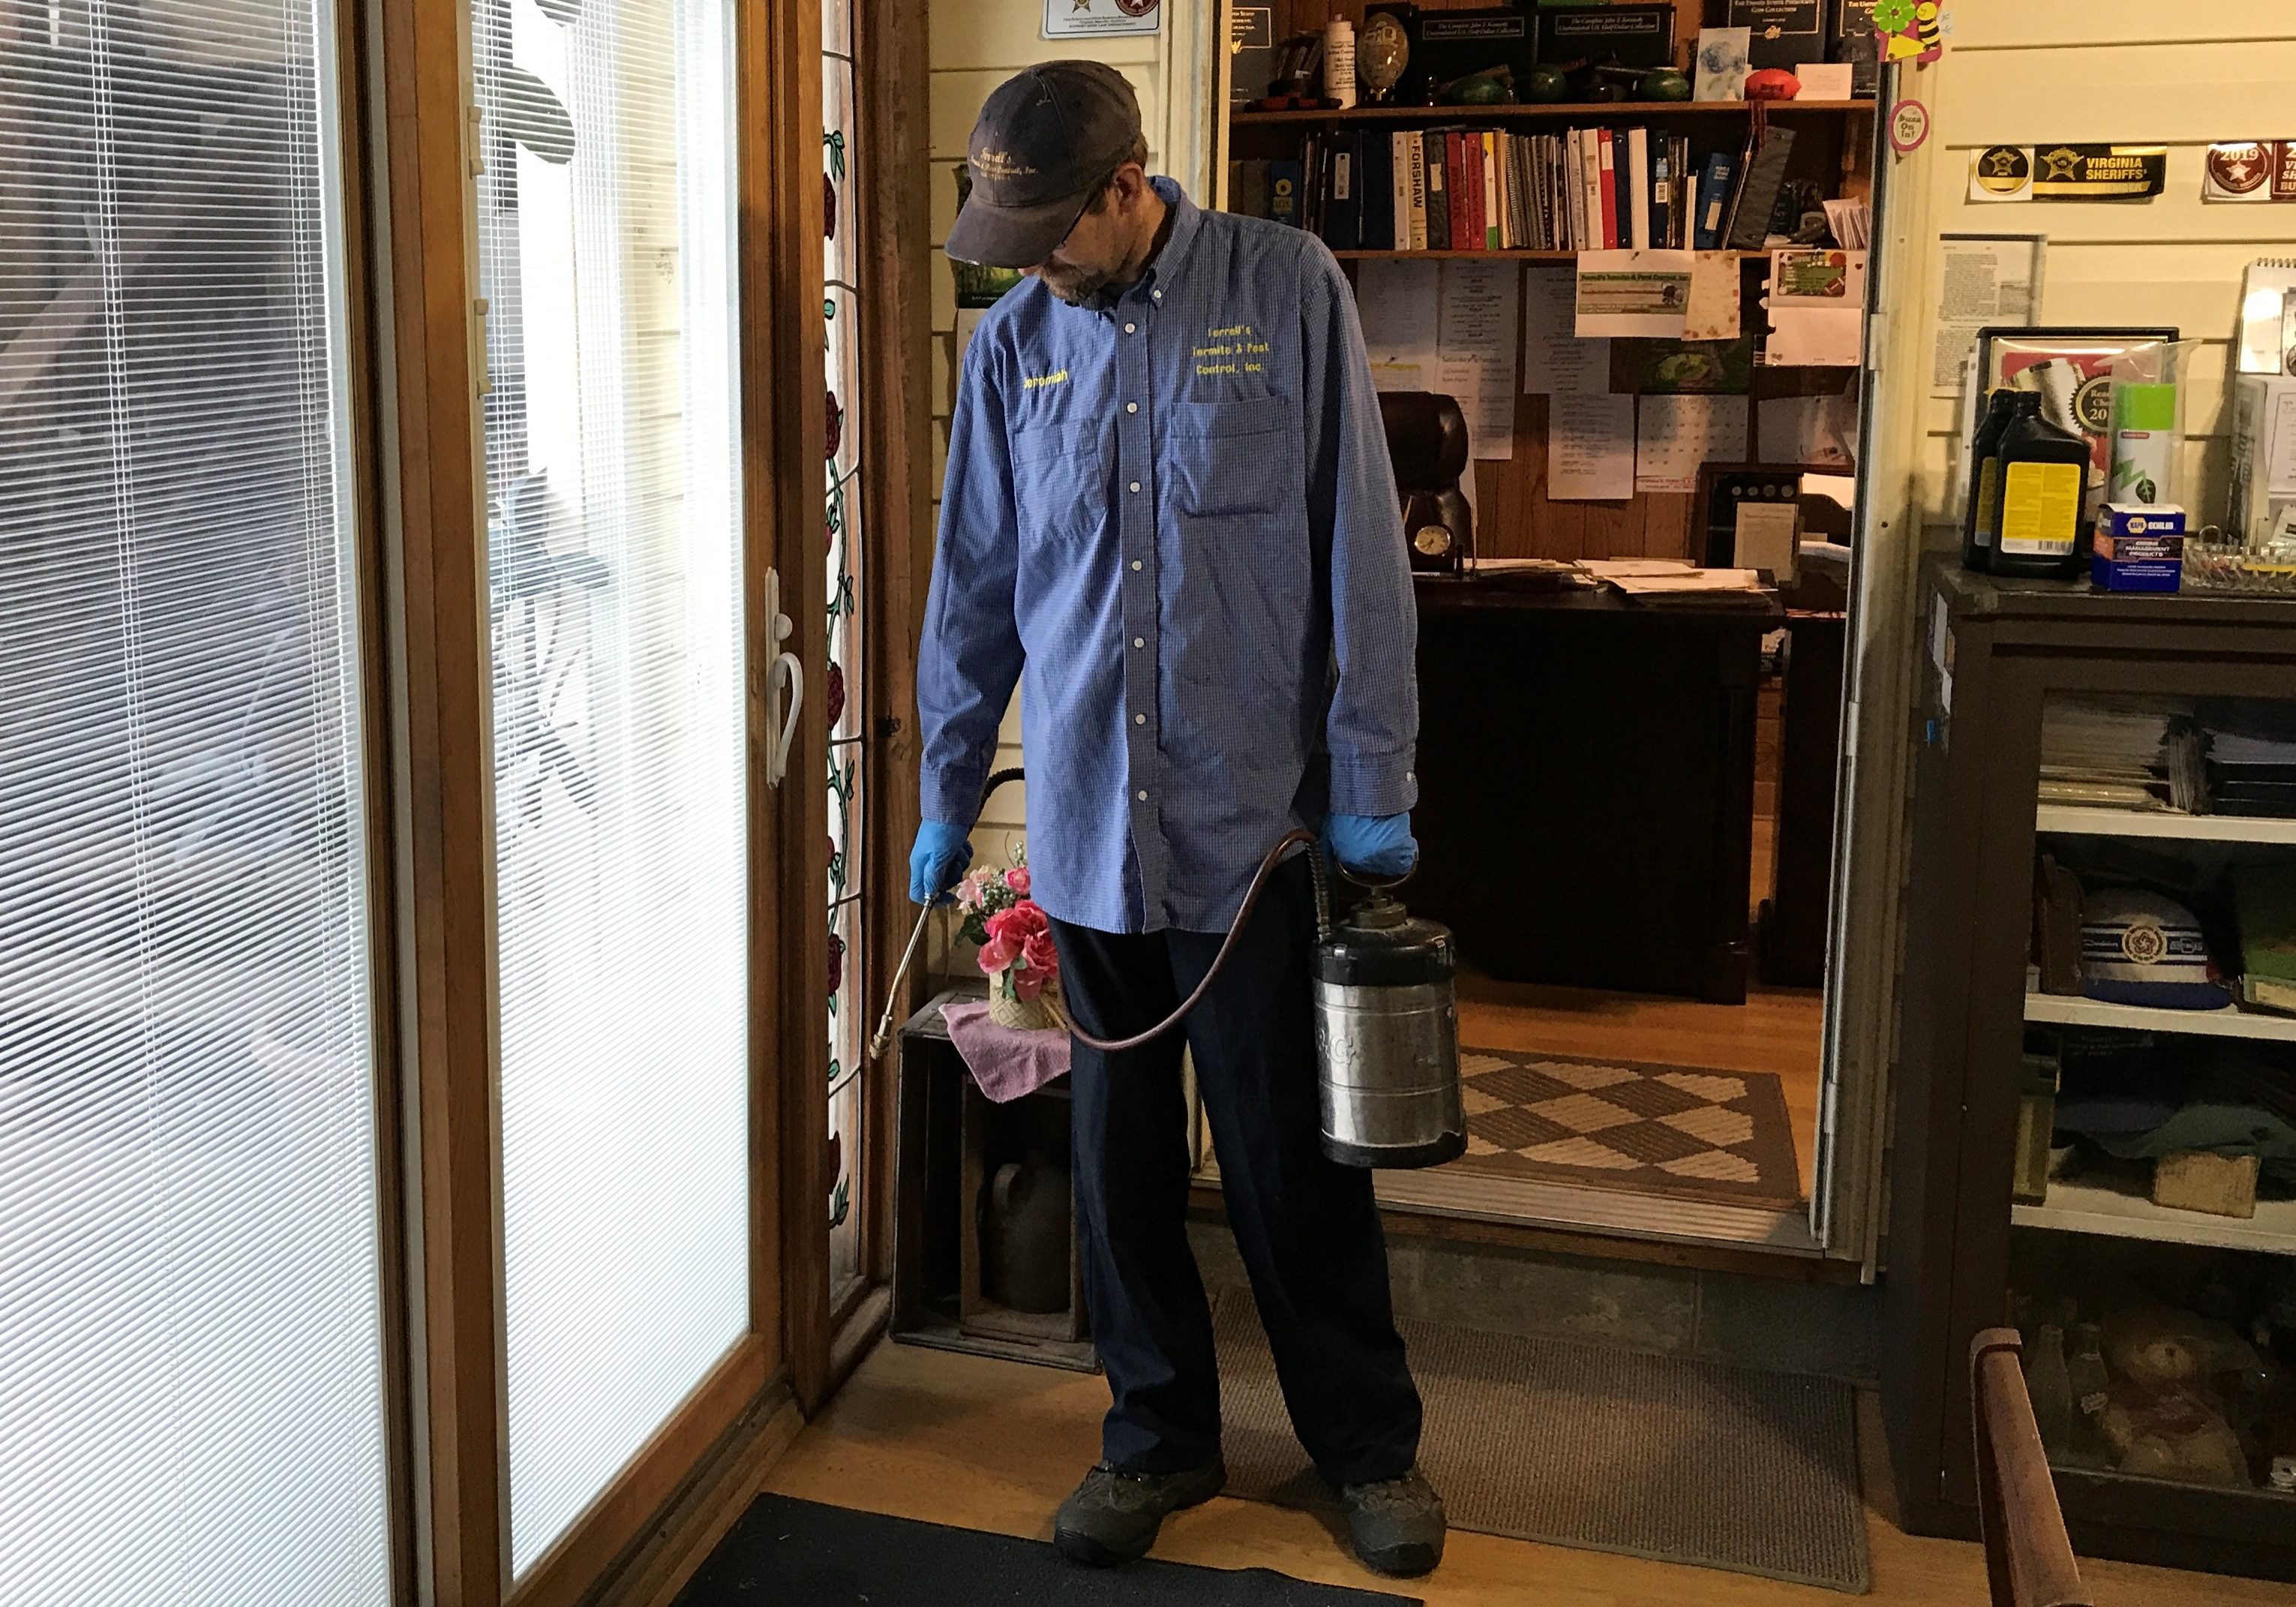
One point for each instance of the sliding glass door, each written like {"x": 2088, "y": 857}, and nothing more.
{"x": 191, "y": 1323}
{"x": 614, "y": 555}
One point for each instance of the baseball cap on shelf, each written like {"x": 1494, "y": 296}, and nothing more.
{"x": 1046, "y": 143}
{"x": 2138, "y": 947}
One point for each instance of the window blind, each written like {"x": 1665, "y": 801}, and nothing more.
{"x": 606, "y": 258}
{"x": 190, "y": 1377}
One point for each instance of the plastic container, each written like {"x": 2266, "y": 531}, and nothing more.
{"x": 2036, "y": 526}
{"x": 2148, "y": 425}
{"x": 1985, "y": 482}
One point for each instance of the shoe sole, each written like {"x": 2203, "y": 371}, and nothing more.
{"x": 1402, "y": 1562}
{"x": 1078, "y": 1547}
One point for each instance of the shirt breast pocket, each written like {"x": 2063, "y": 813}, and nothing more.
{"x": 1234, "y": 458}
{"x": 1058, "y": 489}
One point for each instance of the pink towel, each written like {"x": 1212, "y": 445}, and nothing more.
{"x": 1006, "y": 1064}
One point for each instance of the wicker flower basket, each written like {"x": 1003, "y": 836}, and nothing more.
{"x": 1007, "y": 1008}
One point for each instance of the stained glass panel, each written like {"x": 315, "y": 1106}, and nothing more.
{"x": 842, "y": 517}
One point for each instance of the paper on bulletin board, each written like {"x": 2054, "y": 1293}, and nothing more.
{"x": 1634, "y": 293}
{"x": 1713, "y": 313}
{"x": 1676, "y": 434}
{"x": 1396, "y": 302}
{"x": 1093, "y": 19}
{"x": 1556, "y": 362}
{"x": 1475, "y": 350}
{"x": 1982, "y": 279}
{"x": 1590, "y": 450}
{"x": 1817, "y": 308}
{"x": 968, "y": 319}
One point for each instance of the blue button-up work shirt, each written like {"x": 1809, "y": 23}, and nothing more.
{"x": 1173, "y": 513}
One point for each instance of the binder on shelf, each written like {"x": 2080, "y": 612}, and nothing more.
{"x": 1493, "y": 233}
{"x": 1606, "y": 187}
{"x": 1374, "y": 192}
{"x": 1638, "y": 187}
{"x": 1758, "y": 194}
{"x": 1335, "y": 201}
{"x": 1399, "y": 157}
{"x": 1432, "y": 161}
{"x": 1283, "y": 192}
{"x": 1715, "y": 182}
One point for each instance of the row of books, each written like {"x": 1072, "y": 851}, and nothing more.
{"x": 1492, "y": 189}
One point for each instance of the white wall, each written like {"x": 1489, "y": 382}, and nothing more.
{"x": 2185, "y": 75}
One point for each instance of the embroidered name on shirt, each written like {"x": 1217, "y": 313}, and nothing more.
{"x": 1234, "y": 342}
{"x": 1036, "y": 381}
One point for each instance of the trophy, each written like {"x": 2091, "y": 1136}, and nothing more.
{"x": 1382, "y": 50}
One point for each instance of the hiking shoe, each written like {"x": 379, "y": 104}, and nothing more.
{"x": 1113, "y": 1517}
{"x": 1396, "y": 1525}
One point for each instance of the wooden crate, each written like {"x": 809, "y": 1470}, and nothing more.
{"x": 948, "y": 1141}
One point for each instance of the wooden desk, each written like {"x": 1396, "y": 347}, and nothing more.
{"x": 1587, "y": 785}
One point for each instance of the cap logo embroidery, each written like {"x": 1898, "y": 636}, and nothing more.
{"x": 1000, "y": 164}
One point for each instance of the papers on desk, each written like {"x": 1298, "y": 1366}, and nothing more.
{"x": 1689, "y": 582}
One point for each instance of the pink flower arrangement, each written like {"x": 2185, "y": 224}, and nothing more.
{"x": 1014, "y": 934}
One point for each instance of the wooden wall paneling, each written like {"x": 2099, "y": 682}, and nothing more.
{"x": 894, "y": 104}
{"x": 784, "y": 479}
{"x": 444, "y": 767}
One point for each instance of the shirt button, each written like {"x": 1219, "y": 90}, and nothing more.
{"x": 1139, "y": 720}
{"x": 1131, "y": 407}
{"x": 1129, "y": 328}
{"x": 1142, "y": 796}
{"x": 1136, "y": 486}
{"x": 1135, "y": 566}
{"x": 1139, "y": 640}
{"x": 1158, "y": 295}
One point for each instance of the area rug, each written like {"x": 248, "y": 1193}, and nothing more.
{"x": 787, "y": 1553}
{"x": 1689, "y": 1132}
{"x": 1593, "y": 1446}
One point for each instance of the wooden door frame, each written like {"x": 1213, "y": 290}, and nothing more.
{"x": 427, "y": 359}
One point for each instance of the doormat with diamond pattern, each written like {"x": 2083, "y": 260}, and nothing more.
{"x": 1687, "y": 1131}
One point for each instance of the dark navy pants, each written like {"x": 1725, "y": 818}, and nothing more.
{"x": 1308, "y": 1227}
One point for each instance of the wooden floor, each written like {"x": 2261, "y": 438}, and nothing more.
{"x": 995, "y": 1445}
{"x": 1776, "y": 1029}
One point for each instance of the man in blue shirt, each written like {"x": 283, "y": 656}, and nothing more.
{"x": 1170, "y": 518}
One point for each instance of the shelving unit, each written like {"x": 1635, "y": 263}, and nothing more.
{"x": 2087, "y": 1208}
{"x": 2065, "y": 1009}
{"x": 1965, "y": 1255}
{"x": 1835, "y": 148}
{"x": 1636, "y": 111}
{"x": 2070, "y": 820}
{"x": 1434, "y": 255}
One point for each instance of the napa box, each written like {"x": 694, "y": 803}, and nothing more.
{"x": 2139, "y": 547}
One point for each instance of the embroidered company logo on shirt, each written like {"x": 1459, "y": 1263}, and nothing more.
{"x": 1038, "y": 381}
{"x": 1235, "y": 342}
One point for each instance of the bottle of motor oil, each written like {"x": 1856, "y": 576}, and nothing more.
{"x": 2037, "y": 524}
{"x": 1985, "y": 482}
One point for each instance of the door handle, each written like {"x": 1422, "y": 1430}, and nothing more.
{"x": 786, "y": 673}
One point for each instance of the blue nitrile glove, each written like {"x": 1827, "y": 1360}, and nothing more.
{"x": 1381, "y": 844}
{"x": 940, "y": 857}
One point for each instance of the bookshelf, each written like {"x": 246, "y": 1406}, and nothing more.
{"x": 1834, "y": 145}
{"x": 1584, "y": 111}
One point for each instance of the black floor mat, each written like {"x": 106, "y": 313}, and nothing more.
{"x": 786, "y": 1553}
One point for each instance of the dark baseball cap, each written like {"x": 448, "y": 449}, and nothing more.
{"x": 1045, "y": 143}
